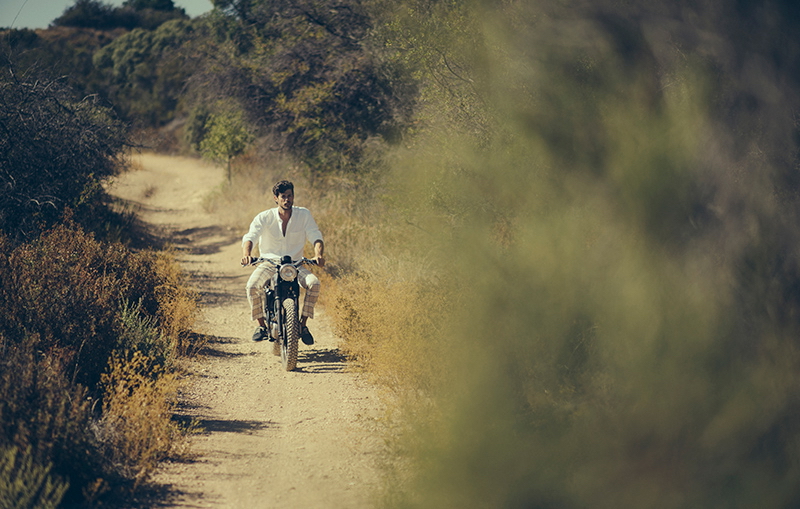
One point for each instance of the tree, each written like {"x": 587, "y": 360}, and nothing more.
{"x": 158, "y": 5}
{"x": 305, "y": 72}
{"x": 146, "y": 70}
{"x": 88, "y": 14}
{"x": 226, "y": 136}
{"x": 133, "y": 14}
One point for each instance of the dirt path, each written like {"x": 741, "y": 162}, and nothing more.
{"x": 272, "y": 439}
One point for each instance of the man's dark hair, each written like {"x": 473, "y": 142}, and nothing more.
{"x": 281, "y": 187}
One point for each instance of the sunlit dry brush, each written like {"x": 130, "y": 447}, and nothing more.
{"x": 178, "y": 306}
{"x": 90, "y": 336}
{"x": 136, "y": 430}
{"x": 391, "y": 328}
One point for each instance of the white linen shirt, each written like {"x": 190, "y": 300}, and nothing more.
{"x": 266, "y": 232}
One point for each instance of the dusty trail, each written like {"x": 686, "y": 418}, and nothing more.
{"x": 272, "y": 439}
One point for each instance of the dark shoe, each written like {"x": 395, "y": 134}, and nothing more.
{"x": 306, "y": 336}
{"x": 260, "y": 334}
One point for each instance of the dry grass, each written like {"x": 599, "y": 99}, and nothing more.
{"x": 340, "y": 204}
{"x": 178, "y": 306}
{"x": 392, "y": 329}
{"x": 136, "y": 428}
{"x": 249, "y": 192}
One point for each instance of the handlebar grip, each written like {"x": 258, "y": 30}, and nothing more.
{"x": 253, "y": 261}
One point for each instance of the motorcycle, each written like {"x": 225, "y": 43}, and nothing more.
{"x": 281, "y": 306}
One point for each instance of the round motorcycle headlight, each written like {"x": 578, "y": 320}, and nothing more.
{"x": 288, "y": 272}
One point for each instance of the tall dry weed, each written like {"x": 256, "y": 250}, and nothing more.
{"x": 393, "y": 329}
{"x": 177, "y": 302}
{"x": 136, "y": 429}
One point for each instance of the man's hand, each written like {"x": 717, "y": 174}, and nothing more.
{"x": 247, "y": 260}
{"x": 320, "y": 260}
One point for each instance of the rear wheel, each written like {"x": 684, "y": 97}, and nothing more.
{"x": 290, "y": 339}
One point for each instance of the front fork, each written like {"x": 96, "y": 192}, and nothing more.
{"x": 275, "y": 314}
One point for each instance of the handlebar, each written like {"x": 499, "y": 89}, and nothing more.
{"x": 298, "y": 263}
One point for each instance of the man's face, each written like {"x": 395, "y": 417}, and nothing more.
{"x": 285, "y": 200}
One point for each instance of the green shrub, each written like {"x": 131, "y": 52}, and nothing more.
{"x": 140, "y": 334}
{"x": 23, "y": 484}
{"x": 225, "y": 137}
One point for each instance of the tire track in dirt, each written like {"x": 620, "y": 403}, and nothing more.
{"x": 307, "y": 438}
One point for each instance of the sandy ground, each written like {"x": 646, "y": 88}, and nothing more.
{"x": 307, "y": 438}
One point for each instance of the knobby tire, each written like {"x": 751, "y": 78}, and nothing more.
{"x": 289, "y": 343}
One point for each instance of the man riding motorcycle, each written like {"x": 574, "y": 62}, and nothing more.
{"x": 281, "y": 231}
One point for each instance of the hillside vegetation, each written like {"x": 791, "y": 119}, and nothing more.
{"x": 562, "y": 234}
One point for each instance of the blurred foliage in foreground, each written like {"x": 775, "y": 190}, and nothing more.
{"x": 605, "y": 210}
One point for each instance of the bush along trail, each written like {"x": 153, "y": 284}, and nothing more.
{"x": 267, "y": 437}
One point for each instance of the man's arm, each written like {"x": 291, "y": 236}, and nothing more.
{"x": 319, "y": 252}
{"x": 253, "y": 234}
{"x": 314, "y": 235}
{"x": 247, "y": 248}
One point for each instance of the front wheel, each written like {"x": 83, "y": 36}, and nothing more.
{"x": 291, "y": 336}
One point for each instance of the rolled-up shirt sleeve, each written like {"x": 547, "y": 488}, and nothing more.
{"x": 256, "y": 226}
{"x": 313, "y": 232}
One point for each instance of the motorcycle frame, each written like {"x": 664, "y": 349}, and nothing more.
{"x": 277, "y": 291}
